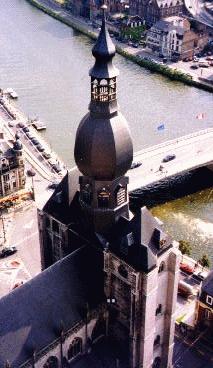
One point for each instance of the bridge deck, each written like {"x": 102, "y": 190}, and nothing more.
{"x": 192, "y": 151}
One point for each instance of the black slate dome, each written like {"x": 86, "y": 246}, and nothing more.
{"x": 103, "y": 147}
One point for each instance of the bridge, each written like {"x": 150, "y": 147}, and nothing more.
{"x": 192, "y": 151}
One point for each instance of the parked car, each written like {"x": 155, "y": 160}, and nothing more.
{"x": 53, "y": 185}
{"x": 29, "y": 135}
{"x": 40, "y": 148}
{"x": 169, "y": 158}
{"x": 12, "y": 123}
{"x": 7, "y": 251}
{"x": 46, "y": 155}
{"x": 135, "y": 164}
{"x": 21, "y": 124}
{"x": 25, "y": 129}
{"x": 203, "y": 64}
{"x": 196, "y": 59}
{"x": 31, "y": 172}
{"x": 57, "y": 168}
{"x": 17, "y": 284}
{"x": 200, "y": 276}
{"x": 185, "y": 289}
{"x": 35, "y": 141}
{"x": 186, "y": 268}
{"x": 194, "y": 66}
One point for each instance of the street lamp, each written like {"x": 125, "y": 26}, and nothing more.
{"x": 3, "y": 227}
{"x": 32, "y": 173}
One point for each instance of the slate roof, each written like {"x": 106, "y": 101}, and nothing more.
{"x": 207, "y": 284}
{"x": 61, "y": 205}
{"x": 166, "y": 26}
{"x": 31, "y": 315}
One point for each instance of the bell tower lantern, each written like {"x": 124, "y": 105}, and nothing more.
{"x": 103, "y": 146}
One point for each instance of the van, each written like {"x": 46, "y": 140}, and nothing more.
{"x": 184, "y": 289}
{"x": 203, "y": 64}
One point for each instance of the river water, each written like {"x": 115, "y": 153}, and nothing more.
{"x": 47, "y": 64}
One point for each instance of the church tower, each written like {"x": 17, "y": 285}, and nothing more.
{"x": 103, "y": 146}
{"x": 140, "y": 262}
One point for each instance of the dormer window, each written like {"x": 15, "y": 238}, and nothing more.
{"x": 103, "y": 198}
{"x": 158, "y": 310}
{"x": 209, "y": 300}
{"x": 122, "y": 271}
{"x": 86, "y": 194}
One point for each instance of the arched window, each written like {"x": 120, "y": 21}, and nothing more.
{"x": 122, "y": 271}
{"x": 157, "y": 362}
{"x": 120, "y": 195}
{"x": 86, "y": 194}
{"x": 161, "y": 267}
{"x": 103, "y": 198}
{"x": 157, "y": 340}
{"x": 75, "y": 348}
{"x": 103, "y": 90}
{"x": 52, "y": 362}
{"x": 158, "y": 310}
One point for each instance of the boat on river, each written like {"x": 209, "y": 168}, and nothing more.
{"x": 11, "y": 93}
{"x": 37, "y": 124}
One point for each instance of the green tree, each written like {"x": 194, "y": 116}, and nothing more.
{"x": 205, "y": 261}
{"x": 185, "y": 247}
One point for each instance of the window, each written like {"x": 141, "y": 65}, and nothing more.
{"x": 52, "y": 362}
{"x": 122, "y": 271}
{"x": 157, "y": 340}
{"x": 103, "y": 198}
{"x": 207, "y": 314}
{"x": 56, "y": 226}
{"x": 209, "y": 300}
{"x": 120, "y": 195}
{"x": 157, "y": 362}
{"x": 75, "y": 348}
{"x": 6, "y": 177}
{"x": 158, "y": 310}
{"x": 86, "y": 194}
{"x": 47, "y": 222}
{"x": 14, "y": 184}
{"x": 161, "y": 267}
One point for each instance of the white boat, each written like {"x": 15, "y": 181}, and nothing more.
{"x": 11, "y": 93}
{"x": 37, "y": 124}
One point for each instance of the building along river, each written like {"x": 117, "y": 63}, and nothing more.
{"x": 47, "y": 64}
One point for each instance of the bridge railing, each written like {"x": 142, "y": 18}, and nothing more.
{"x": 172, "y": 141}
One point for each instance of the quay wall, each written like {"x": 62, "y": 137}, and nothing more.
{"x": 172, "y": 74}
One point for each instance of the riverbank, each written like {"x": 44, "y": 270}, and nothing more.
{"x": 80, "y": 25}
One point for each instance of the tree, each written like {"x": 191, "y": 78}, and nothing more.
{"x": 185, "y": 247}
{"x": 204, "y": 261}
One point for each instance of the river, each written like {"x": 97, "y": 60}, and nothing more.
{"x": 47, "y": 64}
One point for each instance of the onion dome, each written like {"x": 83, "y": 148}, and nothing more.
{"x": 103, "y": 147}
